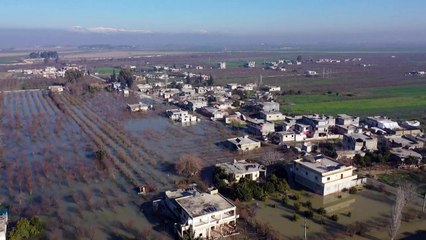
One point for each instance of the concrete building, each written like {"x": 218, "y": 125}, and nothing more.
{"x": 221, "y": 65}
{"x": 242, "y": 143}
{"x": 323, "y": 175}
{"x": 139, "y": 107}
{"x": 181, "y": 116}
{"x": 259, "y": 127}
{"x": 56, "y": 88}
{"x": 3, "y": 224}
{"x": 243, "y": 169}
{"x": 213, "y": 113}
{"x": 347, "y": 120}
{"x": 208, "y": 215}
{"x": 272, "y": 116}
{"x": 320, "y": 124}
{"x": 251, "y": 64}
{"x": 381, "y": 122}
{"x": 399, "y": 155}
{"x": 359, "y": 142}
{"x": 269, "y": 106}
{"x": 311, "y": 73}
{"x": 287, "y": 136}
{"x": 195, "y": 104}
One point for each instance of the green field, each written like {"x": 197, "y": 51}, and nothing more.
{"x": 405, "y": 102}
{"x": 9, "y": 60}
{"x": 395, "y": 179}
{"x": 107, "y": 70}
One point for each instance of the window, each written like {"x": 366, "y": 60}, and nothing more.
{"x": 341, "y": 175}
{"x": 328, "y": 179}
{"x": 316, "y": 178}
{"x": 306, "y": 173}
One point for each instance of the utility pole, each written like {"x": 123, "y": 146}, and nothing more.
{"x": 305, "y": 228}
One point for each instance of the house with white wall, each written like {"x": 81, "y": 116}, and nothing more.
{"x": 243, "y": 169}
{"x": 206, "y": 215}
{"x": 3, "y": 224}
{"x": 323, "y": 175}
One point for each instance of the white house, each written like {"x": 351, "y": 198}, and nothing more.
{"x": 222, "y": 65}
{"x": 56, "y": 88}
{"x": 3, "y": 224}
{"x": 359, "y": 142}
{"x": 287, "y": 136}
{"x": 310, "y": 73}
{"x": 213, "y": 113}
{"x": 243, "y": 143}
{"x": 208, "y": 215}
{"x": 272, "y": 116}
{"x": 181, "y": 116}
{"x": 137, "y": 107}
{"x": 323, "y": 175}
{"x": 243, "y": 169}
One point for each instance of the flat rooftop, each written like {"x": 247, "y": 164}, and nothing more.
{"x": 182, "y": 192}
{"x": 361, "y": 136}
{"x": 405, "y": 153}
{"x": 204, "y": 203}
{"x": 320, "y": 164}
{"x": 239, "y": 167}
{"x": 242, "y": 140}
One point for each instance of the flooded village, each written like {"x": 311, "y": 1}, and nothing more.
{"x": 168, "y": 153}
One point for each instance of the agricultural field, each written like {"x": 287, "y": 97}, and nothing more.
{"x": 404, "y": 102}
{"x": 51, "y": 167}
{"x": 416, "y": 178}
{"x": 107, "y": 70}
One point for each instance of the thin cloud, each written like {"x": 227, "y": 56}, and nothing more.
{"x": 200, "y": 31}
{"x": 106, "y": 30}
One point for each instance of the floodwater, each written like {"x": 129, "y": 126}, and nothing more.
{"x": 367, "y": 206}
{"x": 49, "y": 170}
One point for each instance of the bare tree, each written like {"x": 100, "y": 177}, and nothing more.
{"x": 396, "y": 214}
{"x": 188, "y": 165}
{"x": 270, "y": 157}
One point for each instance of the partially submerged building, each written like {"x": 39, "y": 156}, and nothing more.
{"x": 56, "y": 89}
{"x": 242, "y": 143}
{"x": 202, "y": 215}
{"x": 138, "y": 107}
{"x": 3, "y": 224}
{"x": 323, "y": 175}
{"x": 243, "y": 169}
{"x": 179, "y": 115}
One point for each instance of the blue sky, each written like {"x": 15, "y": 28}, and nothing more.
{"x": 219, "y": 16}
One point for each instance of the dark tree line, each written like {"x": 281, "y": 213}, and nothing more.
{"x": 44, "y": 54}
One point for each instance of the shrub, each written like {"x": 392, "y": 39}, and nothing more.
{"x": 349, "y": 214}
{"x": 285, "y": 200}
{"x": 296, "y": 197}
{"x": 353, "y": 190}
{"x": 296, "y": 206}
{"x": 321, "y": 211}
{"x": 309, "y": 214}
{"x": 295, "y": 217}
{"x": 334, "y": 217}
{"x": 308, "y": 204}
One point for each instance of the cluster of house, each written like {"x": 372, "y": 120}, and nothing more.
{"x": 209, "y": 215}
{"x": 3, "y": 224}
{"x": 329, "y": 60}
{"x": 416, "y": 73}
{"x": 48, "y": 72}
